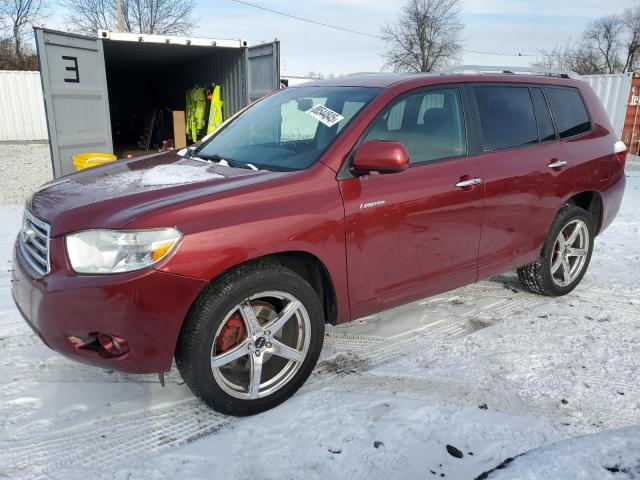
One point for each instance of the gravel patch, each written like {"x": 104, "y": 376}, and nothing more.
{"x": 23, "y": 168}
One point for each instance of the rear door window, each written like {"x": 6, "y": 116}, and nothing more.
{"x": 507, "y": 118}
{"x": 430, "y": 124}
{"x": 545, "y": 124}
{"x": 569, "y": 111}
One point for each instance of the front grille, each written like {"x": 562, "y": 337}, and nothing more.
{"x": 34, "y": 242}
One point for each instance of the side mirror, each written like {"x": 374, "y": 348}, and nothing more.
{"x": 382, "y": 157}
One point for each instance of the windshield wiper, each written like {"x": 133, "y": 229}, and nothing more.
{"x": 231, "y": 163}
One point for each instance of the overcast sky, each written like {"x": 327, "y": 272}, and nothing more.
{"x": 510, "y": 26}
{"x": 507, "y": 26}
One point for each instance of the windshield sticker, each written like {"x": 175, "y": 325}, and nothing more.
{"x": 325, "y": 115}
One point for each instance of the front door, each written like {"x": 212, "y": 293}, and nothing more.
{"x": 415, "y": 233}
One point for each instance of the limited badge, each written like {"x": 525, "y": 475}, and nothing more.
{"x": 324, "y": 115}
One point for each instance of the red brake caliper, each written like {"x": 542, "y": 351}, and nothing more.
{"x": 231, "y": 335}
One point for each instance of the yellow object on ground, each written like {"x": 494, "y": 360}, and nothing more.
{"x": 92, "y": 159}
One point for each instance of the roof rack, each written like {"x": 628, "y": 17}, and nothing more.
{"x": 355, "y": 74}
{"x": 480, "y": 69}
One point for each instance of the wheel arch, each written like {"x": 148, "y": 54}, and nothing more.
{"x": 591, "y": 201}
{"x": 316, "y": 273}
{"x": 305, "y": 264}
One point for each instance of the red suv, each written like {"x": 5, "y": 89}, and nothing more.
{"x": 319, "y": 203}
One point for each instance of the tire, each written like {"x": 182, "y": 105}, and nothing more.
{"x": 546, "y": 275}
{"x": 213, "y": 334}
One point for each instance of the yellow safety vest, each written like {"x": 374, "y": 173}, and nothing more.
{"x": 194, "y": 115}
{"x": 215, "y": 110}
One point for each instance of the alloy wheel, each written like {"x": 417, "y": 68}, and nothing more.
{"x": 569, "y": 254}
{"x": 260, "y": 345}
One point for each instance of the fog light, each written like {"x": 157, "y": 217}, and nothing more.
{"x": 113, "y": 345}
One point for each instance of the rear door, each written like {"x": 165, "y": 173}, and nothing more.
{"x": 526, "y": 172}
{"x": 415, "y": 233}
{"x": 74, "y": 85}
{"x": 264, "y": 69}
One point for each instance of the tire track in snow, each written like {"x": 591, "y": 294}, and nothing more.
{"x": 59, "y": 369}
{"x": 505, "y": 302}
{"x": 468, "y": 391}
{"x": 111, "y": 440}
{"x": 627, "y": 388}
{"x": 537, "y": 394}
{"x": 433, "y": 334}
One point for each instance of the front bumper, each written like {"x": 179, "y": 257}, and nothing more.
{"x": 146, "y": 308}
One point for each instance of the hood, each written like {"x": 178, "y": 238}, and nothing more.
{"x": 113, "y": 195}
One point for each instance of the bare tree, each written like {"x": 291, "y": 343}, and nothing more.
{"x": 586, "y": 61}
{"x": 425, "y": 37}
{"x": 576, "y": 58}
{"x": 560, "y": 57}
{"x": 18, "y": 16}
{"x": 631, "y": 25}
{"x": 609, "y": 45}
{"x": 603, "y": 37}
{"x": 161, "y": 17}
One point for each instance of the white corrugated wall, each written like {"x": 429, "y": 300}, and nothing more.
{"x": 613, "y": 91}
{"x": 22, "y": 115}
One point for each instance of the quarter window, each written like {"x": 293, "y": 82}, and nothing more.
{"x": 507, "y": 118}
{"x": 569, "y": 111}
{"x": 429, "y": 124}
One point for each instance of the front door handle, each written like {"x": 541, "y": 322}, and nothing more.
{"x": 468, "y": 183}
{"x": 558, "y": 164}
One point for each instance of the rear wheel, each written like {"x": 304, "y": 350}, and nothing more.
{"x": 565, "y": 256}
{"x": 251, "y": 340}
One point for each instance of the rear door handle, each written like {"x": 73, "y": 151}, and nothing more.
{"x": 469, "y": 183}
{"x": 558, "y": 164}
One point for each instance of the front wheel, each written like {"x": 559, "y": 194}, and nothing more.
{"x": 252, "y": 339}
{"x": 565, "y": 256}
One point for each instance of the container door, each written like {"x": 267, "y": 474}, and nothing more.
{"x": 264, "y": 69}
{"x": 74, "y": 85}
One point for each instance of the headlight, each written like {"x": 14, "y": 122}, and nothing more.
{"x": 113, "y": 251}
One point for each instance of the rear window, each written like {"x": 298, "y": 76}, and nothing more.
{"x": 569, "y": 111}
{"x": 507, "y": 118}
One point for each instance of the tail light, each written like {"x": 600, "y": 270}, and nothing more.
{"x": 621, "y": 152}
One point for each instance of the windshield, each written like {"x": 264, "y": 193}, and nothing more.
{"x": 288, "y": 130}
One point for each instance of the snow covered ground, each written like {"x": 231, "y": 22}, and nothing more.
{"x": 448, "y": 387}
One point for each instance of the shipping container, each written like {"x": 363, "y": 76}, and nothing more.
{"x": 631, "y": 130}
{"x": 613, "y": 92}
{"x": 99, "y": 91}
